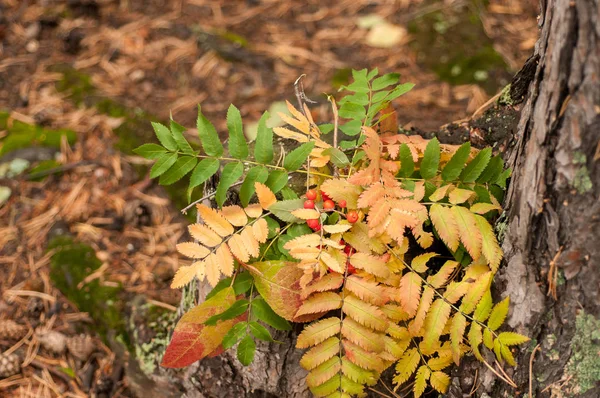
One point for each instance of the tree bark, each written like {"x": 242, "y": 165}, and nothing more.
{"x": 553, "y": 217}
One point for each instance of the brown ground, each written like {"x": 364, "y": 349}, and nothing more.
{"x": 149, "y": 55}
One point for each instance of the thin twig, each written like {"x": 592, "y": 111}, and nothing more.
{"x": 537, "y": 348}
{"x": 300, "y": 95}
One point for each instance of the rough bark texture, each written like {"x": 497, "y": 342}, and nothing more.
{"x": 553, "y": 214}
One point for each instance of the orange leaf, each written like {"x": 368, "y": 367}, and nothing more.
{"x": 204, "y": 235}
{"x": 410, "y": 292}
{"x": 192, "y": 250}
{"x": 266, "y": 197}
{"x": 235, "y": 215}
{"x": 215, "y": 220}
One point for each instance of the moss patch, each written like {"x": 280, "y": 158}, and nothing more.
{"x": 584, "y": 364}
{"x": 70, "y": 265}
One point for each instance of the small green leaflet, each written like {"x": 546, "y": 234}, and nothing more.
{"x": 431, "y": 159}
{"x": 351, "y": 128}
{"x": 283, "y": 208}
{"x": 358, "y": 155}
{"x": 350, "y": 110}
{"x": 208, "y": 136}
{"x": 385, "y": 81}
{"x": 455, "y": 165}
{"x": 296, "y": 158}
{"x": 492, "y": 171}
{"x": 264, "y": 313}
{"x": 203, "y": 171}
{"x": 150, "y": 151}
{"x": 399, "y": 90}
{"x": 182, "y": 166}
{"x": 177, "y": 131}
{"x": 238, "y": 148}
{"x": 407, "y": 164}
{"x": 260, "y": 332}
{"x": 236, "y": 309}
{"x": 338, "y": 157}
{"x": 164, "y": 136}
{"x": 231, "y": 173}
{"x": 277, "y": 180}
{"x": 163, "y": 164}
{"x": 245, "y": 351}
{"x": 288, "y": 193}
{"x": 234, "y": 335}
{"x": 263, "y": 148}
{"x": 241, "y": 285}
{"x": 476, "y": 166}
{"x": 257, "y": 173}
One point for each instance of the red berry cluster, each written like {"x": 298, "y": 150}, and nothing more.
{"x": 328, "y": 205}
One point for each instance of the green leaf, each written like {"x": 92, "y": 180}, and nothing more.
{"x": 238, "y": 148}
{"x": 345, "y": 145}
{"x": 164, "y": 136}
{"x": 357, "y": 98}
{"x": 350, "y": 110}
{"x": 400, "y": 90}
{"x": 282, "y": 209}
{"x": 351, "y": 128}
{"x": 163, "y": 164}
{"x": 338, "y": 157}
{"x": 273, "y": 227}
{"x": 150, "y": 151}
{"x": 236, "y": 309}
{"x": 476, "y": 166}
{"x": 358, "y": 155}
{"x": 492, "y": 171}
{"x": 263, "y": 312}
{"x": 296, "y": 158}
{"x": 455, "y": 165}
{"x": 288, "y": 193}
{"x": 501, "y": 180}
{"x": 499, "y": 314}
{"x": 222, "y": 284}
{"x": 209, "y": 138}
{"x": 243, "y": 283}
{"x": 380, "y": 96}
{"x": 372, "y": 74}
{"x": 177, "y": 133}
{"x": 234, "y": 335}
{"x": 407, "y": 164}
{"x": 231, "y": 173}
{"x": 511, "y": 338}
{"x": 431, "y": 159}
{"x": 326, "y": 128}
{"x": 245, "y": 351}
{"x": 260, "y": 332}
{"x": 257, "y": 173}
{"x": 385, "y": 81}
{"x": 263, "y": 148}
{"x": 182, "y": 166}
{"x": 277, "y": 180}
{"x": 203, "y": 171}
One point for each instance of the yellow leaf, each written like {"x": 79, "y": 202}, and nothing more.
{"x": 254, "y": 210}
{"x": 441, "y": 362}
{"x": 204, "y": 235}
{"x": 419, "y": 263}
{"x": 435, "y": 322}
{"x": 426, "y": 299}
{"x": 358, "y": 374}
{"x": 200, "y": 269}
{"x": 320, "y": 302}
{"x": 476, "y": 292}
{"x": 482, "y": 208}
{"x": 372, "y": 194}
{"x": 395, "y": 313}
{"x": 366, "y": 290}
{"x": 337, "y": 228}
{"x": 459, "y": 195}
{"x": 377, "y": 215}
{"x": 260, "y": 229}
{"x": 457, "y": 330}
{"x": 440, "y": 381}
{"x": 440, "y": 193}
{"x": 289, "y": 134}
{"x": 406, "y": 366}
{"x": 212, "y": 270}
{"x": 323, "y": 372}
{"x": 489, "y": 244}
{"x": 468, "y": 231}
{"x": 320, "y": 353}
{"x": 306, "y": 214}
{"x": 362, "y": 336}
{"x": 399, "y": 221}
{"x": 362, "y": 358}
{"x": 441, "y": 277}
{"x": 395, "y": 348}
{"x": 215, "y": 220}
{"x": 192, "y": 250}
{"x": 318, "y": 332}
{"x": 250, "y": 242}
{"x": 475, "y": 338}
{"x": 445, "y": 225}
{"x": 332, "y": 263}
{"x": 340, "y": 189}
{"x": 370, "y": 264}
{"x": 225, "y": 260}
{"x": 421, "y": 380}
{"x": 236, "y": 245}
{"x": 330, "y": 281}
{"x": 483, "y": 309}
{"x": 235, "y": 215}
{"x": 498, "y": 314}
{"x": 455, "y": 290}
{"x": 308, "y": 240}
{"x": 266, "y": 197}
{"x": 410, "y": 292}
{"x": 183, "y": 276}
{"x": 363, "y": 313}
{"x": 511, "y": 338}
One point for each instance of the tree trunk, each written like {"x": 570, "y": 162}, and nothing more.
{"x": 553, "y": 222}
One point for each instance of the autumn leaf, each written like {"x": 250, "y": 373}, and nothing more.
{"x": 266, "y": 197}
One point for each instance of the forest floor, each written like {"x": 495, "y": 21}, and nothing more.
{"x": 87, "y": 241}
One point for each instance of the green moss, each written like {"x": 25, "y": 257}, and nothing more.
{"x": 505, "y": 98}
{"x": 71, "y": 263}
{"x": 41, "y": 167}
{"x": 76, "y": 83}
{"x": 22, "y": 135}
{"x": 584, "y": 364}
{"x": 582, "y": 181}
{"x": 453, "y": 43}
{"x": 160, "y": 322}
